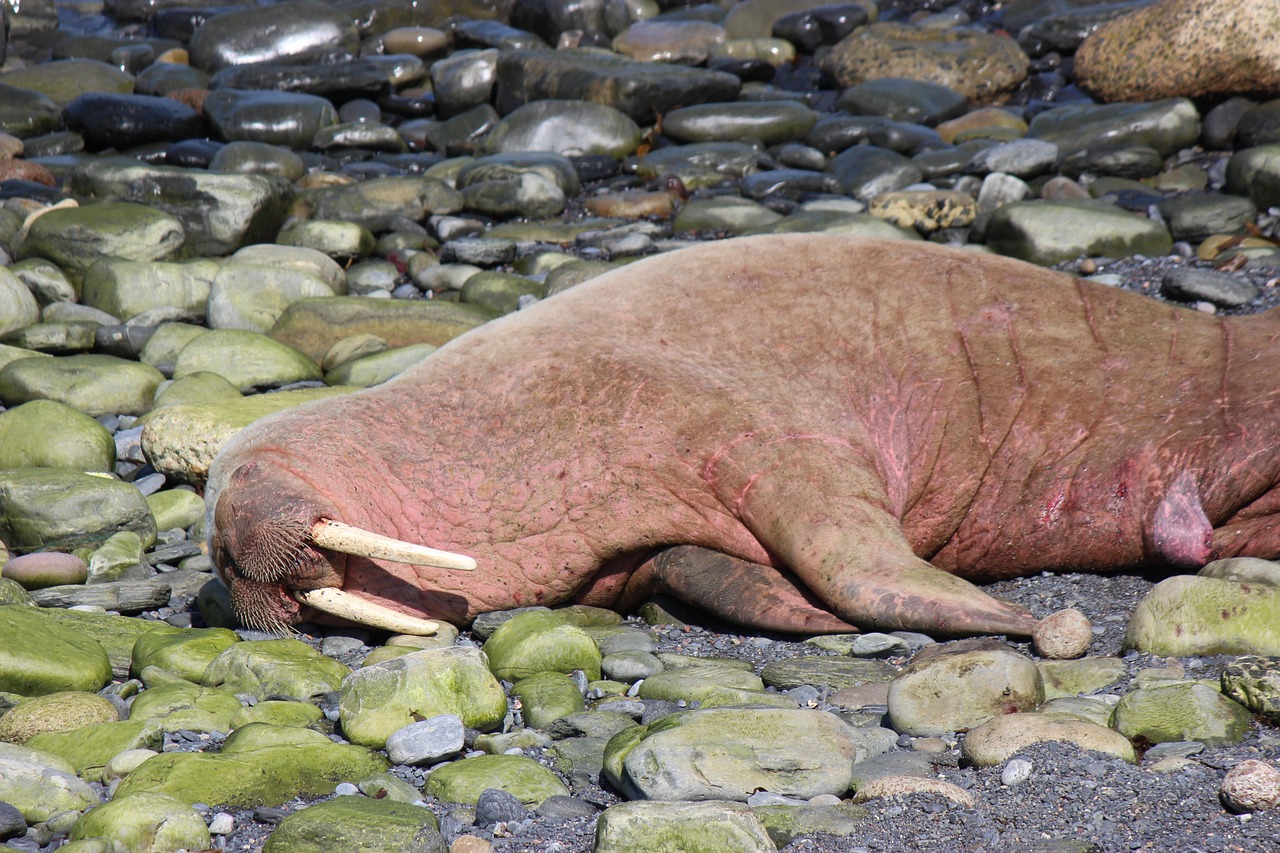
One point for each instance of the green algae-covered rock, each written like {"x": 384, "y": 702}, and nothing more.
{"x": 91, "y": 383}
{"x": 186, "y": 706}
{"x": 186, "y": 653}
{"x": 314, "y": 325}
{"x": 176, "y": 508}
{"x": 378, "y": 700}
{"x": 499, "y": 290}
{"x": 703, "y": 682}
{"x": 258, "y": 765}
{"x": 39, "y": 656}
{"x": 114, "y": 558}
{"x": 523, "y": 778}
{"x": 44, "y": 508}
{"x": 48, "y": 434}
{"x": 728, "y": 753}
{"x": 787, "y": 823}
{"x": 998, "y": 740}
{"x": 358, "y": 823}
{"x": 1182, "y": 711}
{"x": 116, "y": 634}
{"x": 199, "y": 387}
{"x": 706, "y": 827}
{"x": 283, "y": 667}
{"x": 832, "y": 672}
{"x": 278, "y": 712}
{"x": 1049, "y": 232}
{"x": 89, "y": 748}
{"x": 376, "y": 369}
{"x": 548, "y": 696}
{"x": 75, "y": 237}
{"x": 1199, "y": 615}
{"x": 541, "y": 641}
{"x": 40, "y": 784}
{"x": 181, "y": 441}
{"x": 55, "y": 712}
{"x": 1073, "y": 677}
{"x": 248, "y": 360}
{"x": 145, "y": 823}
{"x": 957, "y": 691}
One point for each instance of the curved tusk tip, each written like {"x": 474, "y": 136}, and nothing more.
{"x": 356, "y": 541}
{"x": 340, "y": 603}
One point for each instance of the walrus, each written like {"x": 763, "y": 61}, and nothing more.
{"x": 830, "y": 432}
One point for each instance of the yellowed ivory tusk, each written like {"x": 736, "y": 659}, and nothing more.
{"x": 337, "y": 536}
{"x": 338, "y": 602}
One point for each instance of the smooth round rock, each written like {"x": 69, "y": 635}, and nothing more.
{"x": 45, "y": 569}
{"x": 107, "y": 120}
{"x": 1251, "y": 786}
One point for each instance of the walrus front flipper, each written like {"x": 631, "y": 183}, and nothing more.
{"x": 738, "y": 591}
{"x": 821, "y": 505}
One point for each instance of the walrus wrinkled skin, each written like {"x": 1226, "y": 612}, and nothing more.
{"x": 867, "y": 424}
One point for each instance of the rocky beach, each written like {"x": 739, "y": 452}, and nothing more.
{"x": 209, "y": 214}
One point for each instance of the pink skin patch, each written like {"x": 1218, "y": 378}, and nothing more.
{"x": 1181, "y": 533}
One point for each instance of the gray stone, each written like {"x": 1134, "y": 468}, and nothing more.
{"x": 865, "y": 171}
{"x": 1191, "y": 284}
{"x": 75, "y": 237}
{"x": 902, "y": 99}
{"x": 434, "y": 739}
{"x": 962, "y": 690}
{"x": 304, "y": 31}
{"x": 639, "y": 89}
{"x": 279, "y": 118}
{"x": 1166, "y": 126}
{"x": 769, "y": 121}
{"x": 246, "y": 359}
{"x": 720, "y": 826}
{"x": 571, "y": 128}
{"x": 219, "y": 212}
{"x": 1045, "y": 232}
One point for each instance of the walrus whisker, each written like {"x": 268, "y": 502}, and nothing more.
{"x": 338, "y": 602}
{"x": 337, "y": 536}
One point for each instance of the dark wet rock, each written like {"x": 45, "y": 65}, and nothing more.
{"x": 982, "y": 67}
{"x": 1195, "y": 216}
{"x": 123, "y": 121}
{"x": 769, "y": 121}
{"x": 834, "y": 133}
{"x": 160, "y": 78}
{"x": 865, "y": 171}
{"x": 464, "y": 80}
{"x": 565, "y": 127}
{"x": 278, "y": 118}
{"x": 1120, "y": 161}
{"x": 1166, "y": 126}
{"x": 900, "y": 99}
{"x": 302, "y": 30}
{"x": 809, "y": 29}
{"x": 903, "y": 137}
{"x": 27, "y": 113}
{"x": 337, "y": 81}
{"x": 550, "y": 18}
{"x": 1259, "y": 125}
{"x": 1045, "y": 25}
{"x": 1218, "y": 130}
{"x": 219, "y": 212}
{"x": 485, "y": 33}
{"x": 1196, "y": 284}
{"x": 788, "y": 183}
{"x": 639, "y": 89}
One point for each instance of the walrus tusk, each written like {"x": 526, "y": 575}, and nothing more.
{"x": 337, "y": 536}
{"x": 339, "y": 602}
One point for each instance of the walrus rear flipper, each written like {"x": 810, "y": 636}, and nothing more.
{"x": 738, "y": 591}
{"x": 817, "y": 503}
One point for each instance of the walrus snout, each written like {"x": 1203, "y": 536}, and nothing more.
{"x": 278, "y": 547}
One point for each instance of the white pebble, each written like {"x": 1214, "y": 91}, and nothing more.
{"x": 221, "y": 824}
{"x": 1017, "y": 771}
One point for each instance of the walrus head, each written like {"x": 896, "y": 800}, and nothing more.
{"x": 297, "y": 554}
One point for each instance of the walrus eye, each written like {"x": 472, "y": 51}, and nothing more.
{"x": 338, "y": 602}
{"x": 337, "y": 536}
